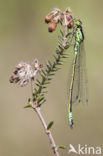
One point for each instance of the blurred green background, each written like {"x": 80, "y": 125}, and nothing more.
{"x": 23, "y": 37}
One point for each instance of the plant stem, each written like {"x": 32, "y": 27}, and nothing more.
{"x": 53, "y": 66}
{"x": 48, "y": 132}
{"x": 65, "y": 32}
{"x": 35, "y": 105}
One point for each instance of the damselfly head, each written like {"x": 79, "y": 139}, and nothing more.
{"x": 78, "y": 22}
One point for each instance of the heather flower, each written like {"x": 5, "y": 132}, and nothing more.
{"x": 24, "y": 73}
{"x": 56, "y": 16}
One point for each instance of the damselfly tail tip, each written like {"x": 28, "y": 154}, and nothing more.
{"x": 71, "y": 120}
{"x": 71, "y": 125}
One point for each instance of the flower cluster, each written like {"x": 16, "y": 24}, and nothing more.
{"x": 24, "y": 72}
{"x": 56, "y": 16}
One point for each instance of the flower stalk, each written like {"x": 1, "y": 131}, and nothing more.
{"x": 48, "y": 132}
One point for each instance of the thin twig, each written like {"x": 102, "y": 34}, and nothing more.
{"x": 65, "y": 32}
{"x": 48, "y": 132}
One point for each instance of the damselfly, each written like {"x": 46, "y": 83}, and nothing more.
{"x": 78, "y": 83}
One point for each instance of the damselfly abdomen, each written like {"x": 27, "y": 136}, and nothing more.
{"x": 78, "y": 83}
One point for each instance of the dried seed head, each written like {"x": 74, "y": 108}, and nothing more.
{"x": 14, "y": 79}
{"x": 24, "y": 73}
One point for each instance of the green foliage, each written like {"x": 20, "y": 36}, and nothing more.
{"x": 50, "y": 125}
{"x": 50, "y": 70}
{"x": 62, "y": 147}
{"x": 28, "y": 106}
{"x": 29, "y": 100}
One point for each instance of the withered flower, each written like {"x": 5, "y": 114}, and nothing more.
{"x": 49, "y": 18}
{"x": 52, "y": 26}
{"x": 52, "y": 15}
{"x": 24, "y": 73}
{"x": 56, "y": 16}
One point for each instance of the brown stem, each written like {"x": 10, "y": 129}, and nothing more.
{"x": 48, "y": 132}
